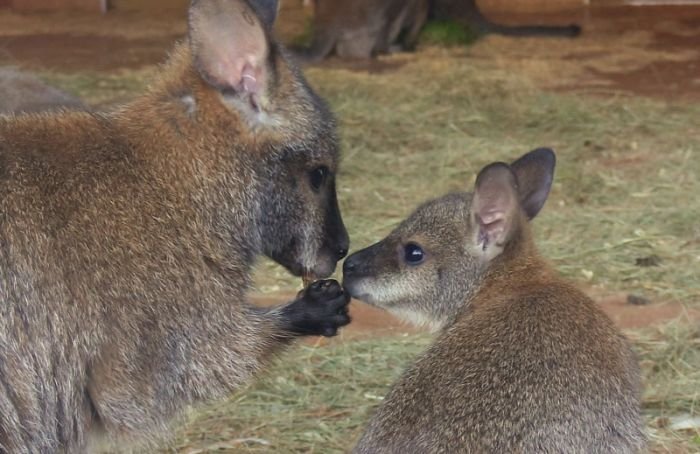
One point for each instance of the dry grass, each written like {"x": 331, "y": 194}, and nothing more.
{"x": 625, "y": 186}
{"x": 317, "y": 400}
{"x": 670, "y": 360}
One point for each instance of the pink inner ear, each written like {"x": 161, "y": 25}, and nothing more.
{"x": 231, "y": 47}
{"x": 492, "y": 225}
{"x": 494, "y": 204}
{"x": 491, "y": 216}
{"x": 250, "y": 82}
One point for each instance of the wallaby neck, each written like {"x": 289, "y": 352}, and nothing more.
{"x": 517, "y": 270}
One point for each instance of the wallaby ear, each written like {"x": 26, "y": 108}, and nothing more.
{"x": 267, "y": 11}
{"x": 495, "y": 209}
{"x": 535, "y": 172}
{"x": 230, "y": 48}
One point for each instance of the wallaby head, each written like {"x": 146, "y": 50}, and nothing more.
{"x": 289, "y": 129}
{"x": 429, "y": 266}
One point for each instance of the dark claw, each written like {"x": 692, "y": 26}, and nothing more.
{"x": 319, "y": 310}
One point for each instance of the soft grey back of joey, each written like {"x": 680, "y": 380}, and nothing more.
{"x": 128, "y": 238}
{"x": 522, "y": 360}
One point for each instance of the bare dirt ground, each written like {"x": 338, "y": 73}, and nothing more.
{"x": 626, "y": 51}
{"x": 371, "y": 321}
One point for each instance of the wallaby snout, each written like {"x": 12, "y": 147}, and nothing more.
{"x": 359, "y": 270}
{"x": 358, "y": 264}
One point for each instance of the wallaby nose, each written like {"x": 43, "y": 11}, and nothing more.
{"x": 342, "y": 246}
{"x": 351, "y": 264}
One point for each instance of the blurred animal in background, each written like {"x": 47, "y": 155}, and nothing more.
{"x": 366, "y": 28}
{"x": 22, "y": 92}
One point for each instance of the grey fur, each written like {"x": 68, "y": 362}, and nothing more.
{"x": 362, "y": 29}
{"x": 523, "y": 362}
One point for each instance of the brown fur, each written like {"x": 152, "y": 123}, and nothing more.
{"x": 127, "y": 240}
{"x": 524, "y": 362}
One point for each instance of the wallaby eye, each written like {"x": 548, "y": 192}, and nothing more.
{"x": 413, "y": 254}
{"x": 318, "y": 177}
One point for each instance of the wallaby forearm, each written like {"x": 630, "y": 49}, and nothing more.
{"x": 151, "y": 373}
{"x": 144, "y": 378}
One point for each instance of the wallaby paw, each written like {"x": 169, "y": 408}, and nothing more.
{"x": 319, "y": 310}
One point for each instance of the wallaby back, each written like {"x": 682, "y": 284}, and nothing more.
{"x": 524, "y": 362}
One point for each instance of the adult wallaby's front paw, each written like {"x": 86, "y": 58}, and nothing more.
{"x": 319, "y": 310}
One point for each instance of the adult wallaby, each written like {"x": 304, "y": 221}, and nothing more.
{"x": 364, "y": 28}
{"x": 524, "y": 362}
{"x": 127, "y": 238}
{"x": 21, "y": 92}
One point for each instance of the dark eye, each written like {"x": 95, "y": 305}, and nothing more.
{"x": 413, "y": 254}
{"x": 318, "y": 177}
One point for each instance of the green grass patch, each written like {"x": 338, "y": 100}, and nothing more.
{"x": 447, "y": 33}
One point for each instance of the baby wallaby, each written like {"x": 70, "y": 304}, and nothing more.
{"x": 127, "y": 238}
{"x": 524, "y": 362}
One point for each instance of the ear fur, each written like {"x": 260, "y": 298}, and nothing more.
{"x": 535, "y": 173}
{"x": 230, "y": 48}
